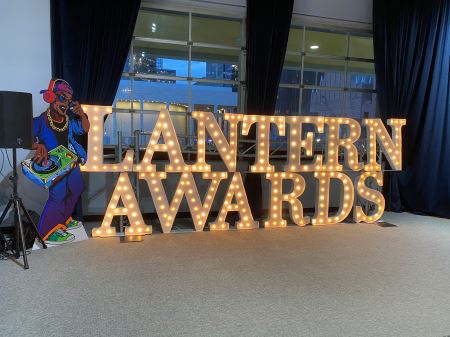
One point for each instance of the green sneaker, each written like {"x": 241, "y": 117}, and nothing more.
{"x": 73, "y": 224}
{"x": 59, "y": 237}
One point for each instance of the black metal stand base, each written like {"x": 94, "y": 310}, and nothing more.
{"x": 17, "y": 204}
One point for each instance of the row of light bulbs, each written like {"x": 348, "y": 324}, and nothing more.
{"x": 377, "y": 133}
{"x": 200, "y": 209}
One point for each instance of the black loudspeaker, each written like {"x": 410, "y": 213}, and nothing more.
{"x": 16, "y": 120}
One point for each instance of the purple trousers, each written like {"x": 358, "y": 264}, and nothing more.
{"x": 61, "y": 201}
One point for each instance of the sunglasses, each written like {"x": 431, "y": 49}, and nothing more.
{"x": 63, "y": 98}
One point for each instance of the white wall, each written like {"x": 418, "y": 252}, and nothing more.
{"x": 25, "y": 60}
{"x": 25, "y": 64}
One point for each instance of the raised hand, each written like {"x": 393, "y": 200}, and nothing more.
{"x": 77, "y": 109}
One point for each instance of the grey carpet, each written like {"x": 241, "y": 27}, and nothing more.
{"x": 342, "y": 280}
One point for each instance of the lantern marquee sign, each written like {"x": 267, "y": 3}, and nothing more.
{"x": 326, "y": 167}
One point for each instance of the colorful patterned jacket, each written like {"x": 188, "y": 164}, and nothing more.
{"x": 43, "y": 134}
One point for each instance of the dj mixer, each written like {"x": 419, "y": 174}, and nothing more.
{"x": 59, "y": 163}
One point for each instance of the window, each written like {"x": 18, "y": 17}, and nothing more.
{"x": 188, "y": 61}
{"x": 182, "y": 62}
{"x": 327, "y": 73}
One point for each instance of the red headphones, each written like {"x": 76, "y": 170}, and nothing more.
{"x": 49, "y": 94}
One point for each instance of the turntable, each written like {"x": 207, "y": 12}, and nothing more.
{"x": 59, "y": 163}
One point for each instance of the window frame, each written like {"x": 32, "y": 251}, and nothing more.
{"x": 135, "y": 111}
{"x": 347, "y": 89}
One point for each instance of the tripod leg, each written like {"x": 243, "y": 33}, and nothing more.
{"x": 32, "y": 224}
{"x": 22, "y": 237}
{"x": 16, "y": 229}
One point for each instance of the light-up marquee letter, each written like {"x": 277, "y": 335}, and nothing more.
{"x": 335, "y": 142}
{"x": 123, "y": 192}
{"x": 262, "y": 139}
{"x": 392, "y": 148}
{"x": 277, "y": 197}
{"x": 227, "y": 150}
{"x": 369, "y": 194}
{"x": 164, "y": 128}
{"x": 296, "y": 144}
{"x": 96, "y": 115}
{"x": 323, "y": 202}
{"x": 235, "y": 191}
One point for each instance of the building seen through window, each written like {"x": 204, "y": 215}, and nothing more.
{"x": 165, "y": 69}
{"x": 326, "y": 73}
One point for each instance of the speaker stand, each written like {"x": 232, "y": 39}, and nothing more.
{"x": 17, "y": 204}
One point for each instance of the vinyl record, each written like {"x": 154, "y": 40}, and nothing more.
{"x": 51, "y": 166}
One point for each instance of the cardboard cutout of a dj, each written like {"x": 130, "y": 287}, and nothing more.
{"x": 56, "y": 160}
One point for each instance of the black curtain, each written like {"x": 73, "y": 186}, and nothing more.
{"x": 412, "y": 59}
{"x": 268, "y": 26}
{"x": 90, "y": 43}
{"x": 267, "y": 35}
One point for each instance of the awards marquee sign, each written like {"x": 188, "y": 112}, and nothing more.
{"x": 326, "y": 167}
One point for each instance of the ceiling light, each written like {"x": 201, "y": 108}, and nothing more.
{"x": 314, "y": 46}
